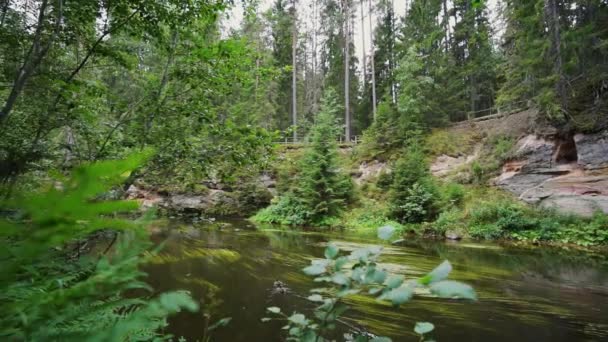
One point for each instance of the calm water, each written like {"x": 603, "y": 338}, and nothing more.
{"x": 524, "y": 295}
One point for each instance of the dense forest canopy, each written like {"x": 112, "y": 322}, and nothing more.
{"x": 88, "y": 80}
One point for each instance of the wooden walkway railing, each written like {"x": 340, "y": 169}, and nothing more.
{"x": 495, "y": 112}
{"x": 340, "y": 140}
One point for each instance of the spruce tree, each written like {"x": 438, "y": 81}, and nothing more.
{"x": 322, "y": 187}
{"x": 413, "y": 195}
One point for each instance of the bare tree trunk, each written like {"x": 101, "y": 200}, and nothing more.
{"x": 372, "y": 62}
{"x": 392, "y": 63}
{"x": 315, "y": 96}
{"x": 363, "y": 45}
{"x": 294, "y": 107}
{"x": 346, "y": 71}
{"x": 446, "y": 26}
{"x": 160, "y": 100}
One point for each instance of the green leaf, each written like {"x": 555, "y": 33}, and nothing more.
{"x": 453, "y": 289}
{"x": 295, "y": 331}
{"x": 399, "y": 295}
{"x": 309, "y": 336}
{"x": 274, "y": 309}
{"x": 375, "y": 276}
{"x": 298, "y": 319}
{"x": 314, "y": 270}
{"x": 266, "y": 319}
{"x": 340, "y": 279}
{"x": 394, "y": 281}
{"x": 422, "y": 328}
{"x": 340, "y": 262}
{"x": 386, "y": 232}
{"x": 440, "y": 273}
{"x": 331, "y": 251}
{"x": 315, "y": 298}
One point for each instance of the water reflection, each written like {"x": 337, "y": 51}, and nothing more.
{"x": 525, "y": 295}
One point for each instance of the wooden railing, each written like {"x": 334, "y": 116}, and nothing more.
{"x": 495, "y": 112}
{"x": 340, "y": 140}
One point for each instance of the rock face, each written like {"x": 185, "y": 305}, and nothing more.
{"x": 221, "y": 200}
{"x": 569, "y": 174}
{"x": 592, "y": 150}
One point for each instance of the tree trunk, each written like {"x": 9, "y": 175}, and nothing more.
{"x": 34, "y": 57}
{"x": 346, "y": 71}
{"x": 294, "y": 41}
{"x": 446, "y": 26}
{"x": 372, "y": 62}
{"x": 363, "y": 46}
{"x": 5, "y": 5}
{"x": 392, "y": 63}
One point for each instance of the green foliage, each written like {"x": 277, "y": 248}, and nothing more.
{"x": 452, "y": 195}
{"x": 449, "y": 220}
{"x": 359, "y": 273}
{"x": 52, "y": 292}
{"x": 491, "y": 220}
{"x": 287, "y": 210}
{"x": 383, "y": 136}
{"x": 555, "y": 63}
{"x": 322, "y": 188}
{"x": 413, "y": 194}
{"x": 368, "y": 215}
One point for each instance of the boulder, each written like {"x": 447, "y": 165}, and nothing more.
{"x": 537, "y": 151}
{"x": 592, "y": 150}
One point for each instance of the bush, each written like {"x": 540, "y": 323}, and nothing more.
{"x": 490, "y": 220}
{"x": 385, "y": 179}
{"x": 452, "y": 195}
{"x": 287, "y": 210}
{"x": 592, "y": 232}
{"x": 450, "y": 220}
{"x": 416, "y": 206}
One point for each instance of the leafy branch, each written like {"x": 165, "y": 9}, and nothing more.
{"x": 360, "y": 273}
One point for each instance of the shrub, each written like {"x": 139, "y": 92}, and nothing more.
{"x": 416, "y": 206}
{"x": 497, "y": 219}
{"x": 449, "y": 220}
{"x": 477, "y": 172}
{"x": 452, "y": 195}
{"x": 592, "y": 232}
{"x": 385, "y": 179}
{"x": 287, "y": 210}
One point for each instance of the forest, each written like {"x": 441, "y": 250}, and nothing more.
{"x": 302, "y": 170}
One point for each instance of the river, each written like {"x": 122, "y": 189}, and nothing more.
{"x": 525, "y": 294}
